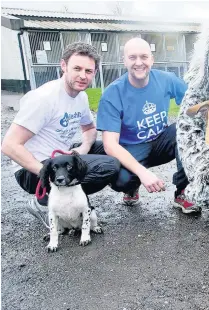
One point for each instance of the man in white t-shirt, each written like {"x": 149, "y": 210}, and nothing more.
{"x": 51, "y": 115}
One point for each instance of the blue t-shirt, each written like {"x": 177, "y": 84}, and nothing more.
{"x": 139, "y": 114}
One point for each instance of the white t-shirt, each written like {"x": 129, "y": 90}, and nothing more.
{"x": 53, "y": 116}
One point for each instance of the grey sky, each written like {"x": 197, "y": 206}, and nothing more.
{"x": 102, "y": 7}
{"x": 189, "y": 10}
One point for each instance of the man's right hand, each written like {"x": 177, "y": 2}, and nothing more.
{"x": 111, "y": 145}
{"x": 151, "y": 182}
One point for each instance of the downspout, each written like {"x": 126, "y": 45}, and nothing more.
{"x": 23, "y": 62}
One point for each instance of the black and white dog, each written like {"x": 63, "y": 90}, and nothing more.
{"x": 68, "y": 204}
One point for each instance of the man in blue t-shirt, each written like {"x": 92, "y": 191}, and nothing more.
{"x": 132, "y": 115}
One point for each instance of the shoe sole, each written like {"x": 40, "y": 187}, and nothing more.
{"x": 186, "y": 211}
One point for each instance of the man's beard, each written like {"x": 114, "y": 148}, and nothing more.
{"x": 144, "y": 77}
{"x": 70, "y": 84}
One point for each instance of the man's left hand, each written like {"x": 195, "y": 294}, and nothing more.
{"x": 82, "y": 150}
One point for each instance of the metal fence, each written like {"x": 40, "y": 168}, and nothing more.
{"x": 44, "y": 50}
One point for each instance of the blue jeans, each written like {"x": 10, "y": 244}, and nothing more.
{"x": 151, "y": 154}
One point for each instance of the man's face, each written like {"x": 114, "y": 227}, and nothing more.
{"x": 138, "y": 60}
{"x": 78, "y": 72}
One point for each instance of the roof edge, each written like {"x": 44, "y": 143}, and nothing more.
{"x": 21, "y": 13}
{"x": 11, "y": 22}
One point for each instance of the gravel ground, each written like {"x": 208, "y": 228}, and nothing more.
{"x": 151, "y": 257}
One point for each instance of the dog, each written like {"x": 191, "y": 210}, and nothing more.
{"x": 68, "y": 205}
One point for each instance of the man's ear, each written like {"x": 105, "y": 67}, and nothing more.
{"x": 63, "y": 65}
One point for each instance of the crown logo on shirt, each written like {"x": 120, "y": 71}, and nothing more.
{"x": 149, "y": 108}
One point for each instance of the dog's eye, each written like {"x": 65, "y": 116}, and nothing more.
{"x": 54, "y": 168}
{"x": 69, "y": 168}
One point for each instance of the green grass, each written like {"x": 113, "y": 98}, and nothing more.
{"x": 174, "y": 108}
{"x": 94, "y": 95}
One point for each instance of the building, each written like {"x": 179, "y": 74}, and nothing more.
{"x": 33, "y": 41}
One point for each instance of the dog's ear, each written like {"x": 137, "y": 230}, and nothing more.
{"x": 45, "y": 173}
{"x": 81, "y": 166}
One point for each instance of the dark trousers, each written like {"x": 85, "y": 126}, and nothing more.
{"x": 151, "y": 154}
{"x": 102, "y": 170}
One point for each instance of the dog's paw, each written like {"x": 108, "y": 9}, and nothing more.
{"x": 85, "y": 242}
{"x": 52, "y": 247}
{"x": 97, "y": 230}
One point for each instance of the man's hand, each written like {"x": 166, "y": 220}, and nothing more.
{"x": 151, "y": 182}
{"x": 82, "y": 150}
{"x": 89, "y": 135}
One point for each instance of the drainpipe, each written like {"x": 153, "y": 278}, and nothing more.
{"x": 23, "y": 62}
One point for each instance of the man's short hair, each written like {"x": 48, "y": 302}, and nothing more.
{"x": 80, "y": 48}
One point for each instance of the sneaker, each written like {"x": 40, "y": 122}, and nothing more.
{"x": 38, "y": 211}
{"x": 131, "y": 198}
{"x": 186, "y": 206}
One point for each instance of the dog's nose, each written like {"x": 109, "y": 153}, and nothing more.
{"x": 60, "y": 179}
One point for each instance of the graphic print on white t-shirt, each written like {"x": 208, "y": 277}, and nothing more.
{"x": 152, "y": 124}
{"x": 70, "y": 115}
{"x": 74, "y": 113}
{"x": 53, "y": 116}
{"x": 67, "y": 117}
{"x": 69, "y": 126}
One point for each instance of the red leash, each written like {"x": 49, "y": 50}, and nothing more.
{"x": 39, "y": 187}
